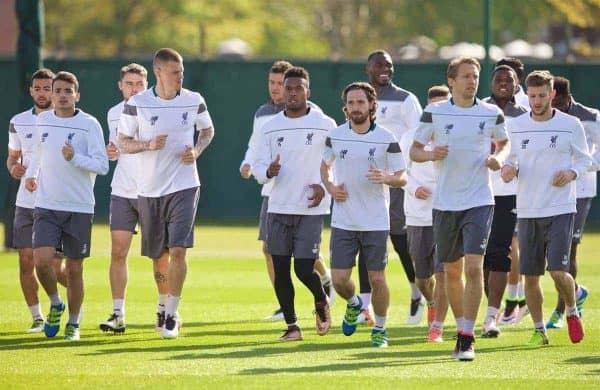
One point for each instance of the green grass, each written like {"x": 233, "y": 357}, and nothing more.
{"x": 225, "y": 344}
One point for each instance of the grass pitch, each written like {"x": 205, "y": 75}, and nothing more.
{"x": 225, "y": 344}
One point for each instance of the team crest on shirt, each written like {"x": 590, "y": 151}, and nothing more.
{"x": 343, "y": 153}
{"x": 524, "y": 144}
{"x": 29, "y": 135}
{"x": 481, "y": 127}
{"x": 372, "y": 154}
{"x": 153, "y": 120}
{"x": 447, "y": 128}
{"x": 553, "y": 141}
{"x": 44, "y": 136}
{"x": 309, "y": 138}
{"x": 70, "y": 138}
{"x": 184, "y": 117}
{"x": 279, "y": 141}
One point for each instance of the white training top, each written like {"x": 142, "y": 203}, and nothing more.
{"x": 124, "y": 181}
{"x": 265, "y": 113}
{"x": 463, "y": 178}
{"x": 300, "y": 143}
{"x": 418, "y": 211}
{"x": 521, "y": 98}
{"x": 590, "y": 119}
{"x": 147, "y": 115}
{"x": 398, "y": 110}
{"x": 352, "y": 154}
{"x": 540, "y": 150}
{"x": 22, "y": 137}
{"x": 511, "y": 110}
{"x": 67, "y": 185}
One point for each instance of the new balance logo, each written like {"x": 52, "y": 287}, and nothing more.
{"x": 309, "y": 138}
{"x": 279, "y": 141}
{"x": 44, "y": 136}
{"x": 383, "y": 110}
{"x": 565, "y": 260}
{"x": 29, "y": 135}
{"x": 481, "y": 127}
{"x": 83, "y": 249}
{"x": 447, "y": 129}
{"x": 70, "y": 138}
{"x": 372, "y": 154}
{"x": 484, "y": 244}
{"x": 524, "y": 143}
{"x": 343, "y": 154}
{"x": 553, "y": 141}
{"x": 153, "y": 120}
{"x": 184, "y": 117}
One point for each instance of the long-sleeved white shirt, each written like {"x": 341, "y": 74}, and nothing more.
{"x": 22, "y": 137}
{"x": 300, "y": 143}
{"x": 67, "y": 185}
{"x": 352, "y": 154}
{"x": 540, "y": 150}
{"x": 124, "y": 181}
{"x": 418, "y": 211}
{"x": 463, "y": 178}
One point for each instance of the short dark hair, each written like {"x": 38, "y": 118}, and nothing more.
{"x": 438, "y": 91}
{"x": 562, "y": 86}
{"x": 67, "y": 77}
{"x": 376, "y": 53}
{"x": 297, "y": 71}
{"x": 452, "y": 70}
{"x": 540, "y": 78}
{"x": 516, "y": 65}
{"x": 280, "y": 67}
{"x": 42, "y": 74}
{"x": 505, "y": 68}
{"x": 166, "y": 54}
{"x": 135, "y": 69}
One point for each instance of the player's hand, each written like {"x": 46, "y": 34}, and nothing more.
{"x": 245, "y": 171}
{"x": 158, "y": 142}
{"x": 68, "y": 152}
{"x": 508, "y": 173}
{"x": 30, "y": 184}
{"x": 338, "y": 193}
{"x": 377, "y": 176}
{"x": 188, "y": 156}
{"x": 112, "y": 151}
{"x": 439, "y": 153}
{"x": 317, "y": 196}
{"x": 17, "y": 171}
{"x": 274, "y": 167}
{"x": 563, "y": 177}
{"x": 493, "y": 163}
{"x": 422, "y": 193}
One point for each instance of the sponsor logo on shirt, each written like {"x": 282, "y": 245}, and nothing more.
{"x": 279, "y": 141}
{"x": 553, "y": 141}
{"x": 153, "y": 120}
{"x": 447, "y": 128}
{"x": 343, "y": 154}
{"x": 44, "y": 136}
{"x": 524, "y": 144}
{"x": 29, "y": 135}
{"x": 309, "y": 138}
{"x": 184, "y": 118}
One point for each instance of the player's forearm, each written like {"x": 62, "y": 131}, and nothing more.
{"x": 205, "y": 138}
{"x": 130, "y": 145}
{"x": 326, "y": 177}
{"x": 419, "y": 154}
{"x": 398, "y": 179}
{"x": 502, "y": 150}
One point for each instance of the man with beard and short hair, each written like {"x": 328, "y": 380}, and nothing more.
{"x": 502, "y": 246}
{"x": 361, "y": 154}
{"x": 461, "y": 130}
{"x": 550, "y": 152}
{"x": 398, "y": 111}
{"x": 585, "y": 185}
{"x": 22, "y": 140}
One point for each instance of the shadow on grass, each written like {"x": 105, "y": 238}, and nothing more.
{"x": 581, "y": 360}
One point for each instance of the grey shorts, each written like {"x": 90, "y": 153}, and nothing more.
{"x": 263, "y": 220}
{"x": 346, "y": 244}
{"x": 168, "y": 221}
{"x": 421, "y": 249}
{"x": 542, "y": 239}
{"x": 583, "y": 209}
{"x": 123, "y": 214}
{"x": 294, "y": 235}
{"x": 22, "y": 228}
{"x": 397, "y": 217}
{"x": 457, "y": 233}
{"x": 63, "y": 229}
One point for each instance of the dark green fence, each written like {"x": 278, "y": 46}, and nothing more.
{"x": 233, "y": 91}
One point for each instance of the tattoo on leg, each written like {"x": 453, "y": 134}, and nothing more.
{"x": 160, "y": 278}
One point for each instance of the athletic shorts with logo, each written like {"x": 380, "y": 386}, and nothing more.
{"x": 457, "y": 233}
{"x": 124, "y": 214}
{"x": 545, "y": 239}
{"x": 168, "y": 221}
{"x": 497, "y": 257}
{"x": 583, "y": 209}
{"x": 421, "y": 249}
{"x": 346, "y": 244}
{"x": 63, "y": 229}
{"x": 294, "y": 235}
